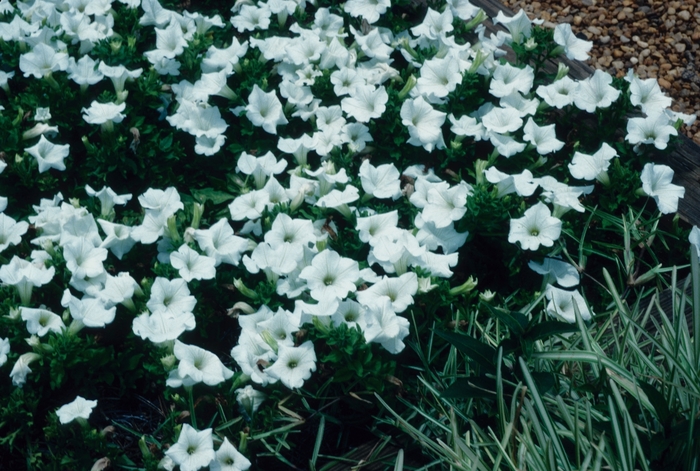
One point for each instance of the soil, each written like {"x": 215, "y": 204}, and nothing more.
{"x": 657, "y": 38}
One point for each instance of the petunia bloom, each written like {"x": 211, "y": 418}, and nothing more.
{"x": 80, "y": 408}
{"x": 536, "y": 227}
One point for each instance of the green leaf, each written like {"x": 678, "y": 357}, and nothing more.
{"x": 657, "y": 400}
{"x": 209, "y": 194}
{"x": 479, "y": 352}
{"x": 166, "y": 142}
{"x": 515, "y": 321}
{"x": 548, "y": 329}
{"x": 464, "y": 388}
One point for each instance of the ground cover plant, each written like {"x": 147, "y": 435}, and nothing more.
{"x": 295, "y": 235}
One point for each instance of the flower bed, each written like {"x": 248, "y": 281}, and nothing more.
{"x": 265, "y": 237}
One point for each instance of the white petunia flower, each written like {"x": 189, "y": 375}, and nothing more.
{"x": 4, "y": 350}
{"x": 260, "y": 168}
{"x": 369, "y": 10}
{"x": 507, "y": 79}
{"x": 365, "y": 103}
{"x": 191, "y": 265}
{"x": 194, "y": 450}
{"x": 446, "y": 204}
{"x": 438, "y": 77}
{"x": 294, "y": 365}
{"x": 467, "y": 126}
{"x": 21, "y": 369}
{"x": 227, "y": 457}
{"x": 561, "y": 304}
{"x": 536, "y": 227}
{"x": 79, "y": 408}
{"x": 331, "y": 275}
{"x": 502, "y": 120}
{"x": 595, "y": 92}
{"x": 424, "y": 124}
{"x": 524, "y": 184}
{"x": 385, "y": 327}
{"x": 542, "y": 137}
{"x": 88, "y": 310}
{"x": 11, "y": 231}
{"x": 380, "y": 182}
{"x": 41, "y": 321}
{"x": 42, "y": 60}
{"x": 656, "y": 182}
{"x": 197, "y": 365}
{"x": 265, "y": 110}
{"x": 654, "y": 129}
{"x": 108, "y": 198}
{"x": 590, "y": 167}
{"x": 555, "y": 270}
{"x": 647, "y": 94}
{"x": 250, "y": 18}
{"x": 560, "y": 93}
{"x": 574, "y": 48}
{"x": 506, "y": 145}
{"x": 48, "y": 155}
{"x": 563, "y": 196}
{"x": 519, "y": 25}
{"x": 399, "y": 290}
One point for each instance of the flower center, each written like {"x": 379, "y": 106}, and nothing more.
{"x": 534, "y": 232}
{"x": 328, "y": 280}
{"x": 292, "y": 364}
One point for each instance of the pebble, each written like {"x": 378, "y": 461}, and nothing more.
{"x": 663, "y": 83}
{"x": 605, "y": 39}
{"x": 624, "y": 39}
{"x": 645, "y": 52}
{"x": 634, "y": 60}
{"x": 619, "y": 65}
{"x": 617, "y": 53}
{"x": 684, "y": 15}
{"x": 577, "y": 20}
{"x": 680, "y": 47}
{"x": 595, "y": 30}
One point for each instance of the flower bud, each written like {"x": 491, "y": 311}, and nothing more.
{"x": 240, "y": 307}
{"x": 562, "y": 71}
{"x": 143, "y": 446}
{"x": 425, "y": 285}
{"x": 168, "y": 362}
{"x": 530, "y": 44}
{"x": 244, "y": 290}
{"x": 410, "y": 83}
{"x": 487, "y": 296}
{"x": 464, "y": 288}
{"x": 476, "y": 21}
{"x": 101, "y": 464}
{"x": 172, "y": 230}
{"x": 269, "y": 339}
{"x": 249, "y": 399}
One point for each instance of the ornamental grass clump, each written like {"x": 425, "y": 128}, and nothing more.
{"x": 359, "y": 226}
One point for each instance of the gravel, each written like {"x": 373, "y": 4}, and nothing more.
{"x": 657, "y": 38}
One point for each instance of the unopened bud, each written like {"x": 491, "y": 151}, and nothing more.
{"x": 243, "y": 289}
{"x": 464, "y": 288}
